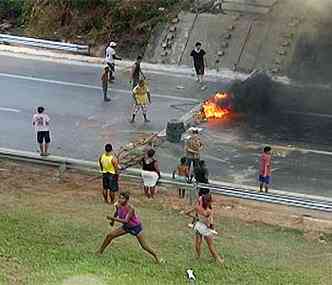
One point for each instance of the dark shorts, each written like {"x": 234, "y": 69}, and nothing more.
{"x": 111, "y": 66}
{"x": 43, "y": 136}
{"x": 203, "y": 191}
{"x": 110, "y": 182}
{"x": 133, "y": 230}
{"x": 199, "y": 69}
{"x": 264, "y": 179}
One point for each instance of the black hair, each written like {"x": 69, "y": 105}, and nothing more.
{"x": 195, "y": 131}
{"x": 108, "y": 147}
{"x": 198, "y": 44}
{"x": 183, "y": 160}
{"x": 201, "y": 163}
{"x": 267, "y": 149}
{"x": 139, "y": 57}
{"x": 151, "y": 153}
{"x": 125, "y": 195}
{"x": 40, "y": 109}
{"x": 206, "y": 201}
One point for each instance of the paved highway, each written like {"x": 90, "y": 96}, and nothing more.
{"x": 82, "y": 123}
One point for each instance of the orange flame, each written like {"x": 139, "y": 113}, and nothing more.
{"x": 211, "y": 109}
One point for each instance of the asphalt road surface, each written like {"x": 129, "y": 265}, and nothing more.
{"x": 82, "y": 123}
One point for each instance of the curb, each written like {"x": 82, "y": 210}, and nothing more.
{"x": 213, "y": 75}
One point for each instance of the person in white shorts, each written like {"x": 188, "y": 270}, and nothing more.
{"x": 203, "y": 226}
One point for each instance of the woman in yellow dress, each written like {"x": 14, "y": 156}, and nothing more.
{"x": 141, "y": 94}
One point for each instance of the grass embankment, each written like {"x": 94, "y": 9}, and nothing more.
{"x": 94, "y": 22}
{"x": 49, "y": 233}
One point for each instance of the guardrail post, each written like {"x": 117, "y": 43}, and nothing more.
{"x": 62, "y": 169}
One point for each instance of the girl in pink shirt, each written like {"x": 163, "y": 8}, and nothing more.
{"x": 125, "y": 214}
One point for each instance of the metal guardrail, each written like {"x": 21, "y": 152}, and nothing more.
{"x": 324, "y": 205}
{"x": 34, "y": 42}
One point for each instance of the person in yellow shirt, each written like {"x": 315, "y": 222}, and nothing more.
{"x": 141, "y": 94}
{"x": 109, "y": 167}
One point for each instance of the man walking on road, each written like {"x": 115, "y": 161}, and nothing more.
{"x": 136, "y": 72}
{"x": 265, "y": 169}
{"x": 104, "y": 82}
{"x": 109, "y": 166}
{"x": 41, "y": 123}
{"x": 199, "y": 63}
{"x": 110, "y": 57}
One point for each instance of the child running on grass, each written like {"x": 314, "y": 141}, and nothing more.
{"x": 204, "y": 227}
{"x": 183, "y": 172}
{"x": 126, "y": 215}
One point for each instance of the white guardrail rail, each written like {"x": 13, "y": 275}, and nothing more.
{"x": 34, "y": 42}
{"x": 241, "y": 192}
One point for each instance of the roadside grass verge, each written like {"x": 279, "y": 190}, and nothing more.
{"x": 49, "y": 236}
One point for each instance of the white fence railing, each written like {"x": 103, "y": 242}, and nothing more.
{"x": 320, "y": 204}
{"x": 33, "y": 42}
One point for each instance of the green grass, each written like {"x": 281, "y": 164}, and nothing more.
{"x": 47, "y": 238}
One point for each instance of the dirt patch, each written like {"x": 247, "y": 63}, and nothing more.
{"x": 44, "y": 182}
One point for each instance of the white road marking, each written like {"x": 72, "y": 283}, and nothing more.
{"x": 310, "y": 114}
{"x": 65, "y": 83}
{"x": 9, "y": 110}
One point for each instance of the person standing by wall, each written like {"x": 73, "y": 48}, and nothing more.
{"x": 199, "y": 62}
{"x": 136, "y": 72}
{"x": 104, "y": 82}
{"x": 110, "y": 57}
{"x": 109, "y": 167}
{"x": 265, "y": 169}
{"x": 41, "y": 122}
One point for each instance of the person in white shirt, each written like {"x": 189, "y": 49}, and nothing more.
{"x": 110, "y": 57}
{"x": 41, "y": 122}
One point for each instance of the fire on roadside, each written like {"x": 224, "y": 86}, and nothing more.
{"x": 216, "y": 107}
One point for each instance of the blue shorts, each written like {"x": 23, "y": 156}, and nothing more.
{"x": 110, "y": 182}
{"x": 264, "y": 179}
{"x": 133, "y": 230}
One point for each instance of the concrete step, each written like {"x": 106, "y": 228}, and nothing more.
{"x": 262, "y": 3}
{"x": 246, "y": 7}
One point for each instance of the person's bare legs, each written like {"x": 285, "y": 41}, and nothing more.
{"x": 105, "y": 195}
{"x": 213, "y": 251}
{"x": 261, "y": 187}
{"x": 108, "y": 240}
{"x": 266, "y": 188}
{"x": 46, "y": 149}
{"x": 146, "y": 192}
{"x": 198, "y": 244}
{"x": 144, "y": 245}
{"x": 112, "y": 196}
{"x": 41, "y": 149}
{"x": 152, "y": 191}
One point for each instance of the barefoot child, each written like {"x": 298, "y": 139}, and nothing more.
{"x": 125, "y": 215}
{"x": 204, "y": 227}
{"x": 182, "y": 171}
